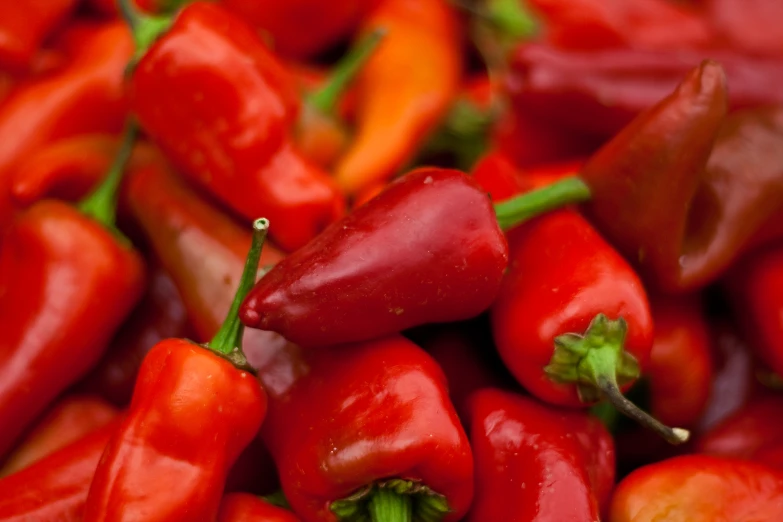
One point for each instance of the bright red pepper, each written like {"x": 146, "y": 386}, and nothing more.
{"x": 224, "y": 118}
{"x": 748, "y": 25}
{"x": 242, "y": 507}
{"x": 396, "y": 111}
{"x": 699, "y": 488}
{"x": 55, "y": 487}
{"x": 67, "y": 282}
{"x": 23, "y": 27}
{"x": 536, "y": 463}
{"x": 572, "y": 321}
{"x": 70, "y": 419}
{"x": 184, "y": 390}
{"x": 374, "y": 432}
{"x": 502, "y": 179}
{"x": 86, "y": 96}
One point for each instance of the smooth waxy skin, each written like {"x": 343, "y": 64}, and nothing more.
{"x": 699, "y": 488}
{"x": 535, "y": 463}
{"x": 428, "y": 249}
{"x": 243, "y": 507}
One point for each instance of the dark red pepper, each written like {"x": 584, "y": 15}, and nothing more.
{"x": 23, "y": 27}
{"x": 537, "y": 463}
{"x": 242, "y": 507}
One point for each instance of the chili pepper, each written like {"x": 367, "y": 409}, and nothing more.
{"x": 748, "y": 26}
{"x": 23, "y": 27}
{"x": 550, "y": 296}
{"x": 396, "y": 111}
{"x": 86, "y": 96}
{"x": 159, "y": 315}
{"x": 241, "y": 507}
{"x": 70, "y": 419}
{"x": 699, "y": 488}
{"x": 535, "y": 463}
{"x": 599, "y": 92}
{"x": 67, "y": 282}
{"x": 374, "y": 437}
{"x": 55, "y": 487}
{"x": 230, "y": 133}
{"x": 502, "y": 179}
{"x": 183, "y": 391}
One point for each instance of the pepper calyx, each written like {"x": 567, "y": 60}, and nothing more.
{"x": 393, "y": 500}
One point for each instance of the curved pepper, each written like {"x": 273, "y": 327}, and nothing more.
{"x": 535, "y": 463}
{"x": 55, "y": 487}
{"x": 242, "y": 507}
{"x": 86, "y": 96}
{"x": 403, "y": 91}
{"x": 184, "y": 390}
{"x": 699, "y": 488}
{"x": 224, "y": 116}
{"x": 70, "y": 419}
{"x": 55, "y": 264}
{"x": 23, "y": 27}
{"x": 374, "y": 434}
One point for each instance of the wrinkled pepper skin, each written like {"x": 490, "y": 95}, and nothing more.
{"x": 535, "y": 463}
{"x": 302, "y": 28}
{"x": 561, "y": 275}
{"x": 183, "y": 391}
{"x": 699, "y": 488}
{"x": 379, "y": 410}
{"x": 70, "y": 419}
{"x": 599, "y": 92}
{"x": 86, "y": 96}
{"x": 23, "y": 27}
{"x": 55, "y": 487}
{"x": 242, "y": 507}
{"x": 224, "y": 119}
{"x": 67, "y": 284}
{"x": 395, "y": 112}
{"x": 428, "y": 249}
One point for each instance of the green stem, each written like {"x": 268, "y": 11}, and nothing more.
{"x": 325, "y": 99}
{"x": 101, "y": 204}
{"x": 512, "y": 212}
{"x": 277, "y": 499}
{"x": 513, "y": 19}
{"x": 228, "y": 340}
{"x": 145, "y": 28}
{"x": 386, "y": 505}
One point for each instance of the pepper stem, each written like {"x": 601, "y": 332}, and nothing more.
{"x": 325, "y": 99}
{"x": 513, "y": 19}
{"x": 388, "y": 506}
{"x": 145, "y": 28}
{"x": 228, "y": 340}
{"x": 519, "y": 209}
{"x": 101, "y": 204}
{"x": 598, "y": 364}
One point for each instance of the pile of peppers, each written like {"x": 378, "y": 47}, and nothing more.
{"x": 391, "y": 261}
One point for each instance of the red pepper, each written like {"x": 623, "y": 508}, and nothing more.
{"x": 599, "y": 92}
{"x": 572, "y": 321}
{"x": 23, "y": 27}
{"x": 70, "y": 419}
{"x": 55, "y": 487}
{"x": 535, "y": 463}
{"x": 699, "y": 488}
{"x": 184, "y": 390}
{"x": 86, "y": 96}
{"x": 242, "y": 507}
{"x": 224, "y": 118}
{"x": 67, "y": 282}
{"x": 502, "y": 179}
{"x": 374, "y": 436}
{"x": 748, "y": 25}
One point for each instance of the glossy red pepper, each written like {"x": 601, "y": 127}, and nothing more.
{"x": 699, "y": 488}
{"x": 183, "y": 391}
{"x": 374, "y": 435}
{"x": 230, "y": 134}
{"x": 23, "y": 27}
{"x": 537, "y": 463}
{"x": 496, "y": 173}
{"x": 242, "y": 507}
{"x": 572, "y": 321}
{"x": 748, "y": 25}
{"x": 67, "y": 282}
{"x": 86, "y": 96}
{"x": 55, "y": 487}
{"x": 67, "y": 421}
